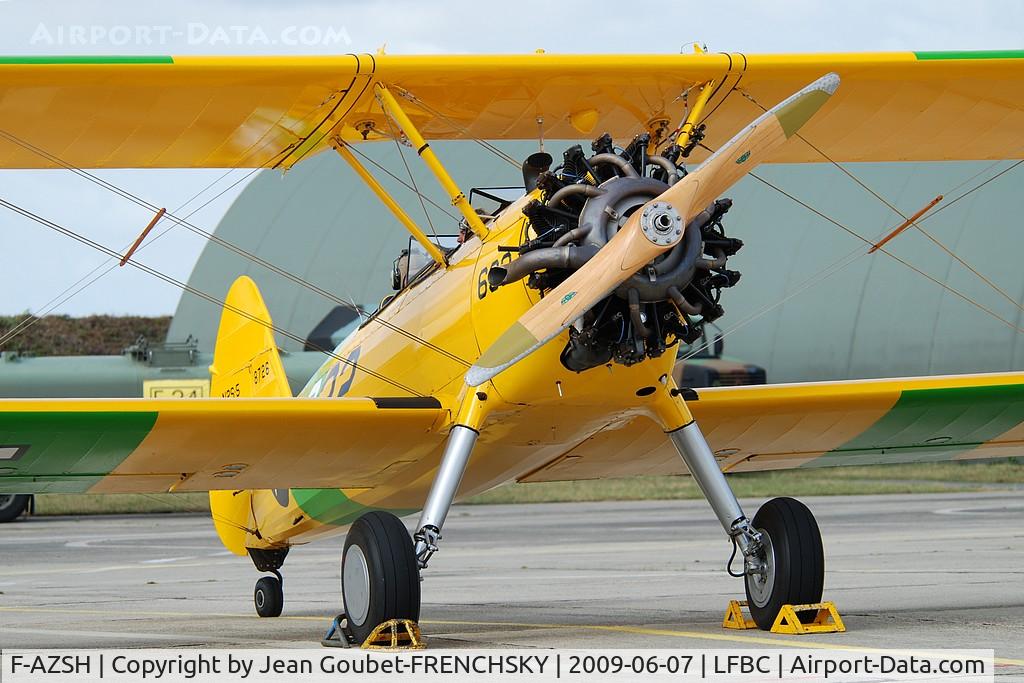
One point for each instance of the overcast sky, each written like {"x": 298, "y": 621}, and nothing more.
{"x": 38, "y": 264}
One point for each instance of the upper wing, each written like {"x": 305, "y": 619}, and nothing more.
{"x": 145, "y": 445}
{"x": 820, "y": 424}
{"x": 173, "y": 112}
{"x": 273, "y": 111}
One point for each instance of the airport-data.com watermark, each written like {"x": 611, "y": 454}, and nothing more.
{"x": 193, "y": 34}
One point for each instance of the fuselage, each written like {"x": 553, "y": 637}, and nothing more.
{"x": 445, "y": 313}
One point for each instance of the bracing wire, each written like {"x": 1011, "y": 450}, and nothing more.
{"x": 915, "y": 223}
{"x": 184, "y": 222}
{"x": 197, "y": 292}
{"x": 74, "y": 289}
{"x": 858, "y": 252}
{"x": 355, "y": 150}
{"x": 171, "y": 215}
{"x": 888, "y": 253}
{"x": 60, "y": 299}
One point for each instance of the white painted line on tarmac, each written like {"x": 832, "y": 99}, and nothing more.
{"x": 62, "y": 634}
{"x": 165, "y": 560}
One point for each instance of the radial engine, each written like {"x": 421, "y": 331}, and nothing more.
{"x": 584, "y": 202}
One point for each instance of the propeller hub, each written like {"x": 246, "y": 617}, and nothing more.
{"x": 661, "y": 224}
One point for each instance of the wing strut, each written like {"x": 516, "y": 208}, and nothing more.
{"x": 458, "y": 197}
{"x": 689, "y": 136}
{"x": 345, "y": 153}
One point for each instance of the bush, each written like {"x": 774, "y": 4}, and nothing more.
{"x": 94, "y": 335}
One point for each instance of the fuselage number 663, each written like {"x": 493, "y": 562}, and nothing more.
{"x": 482, "y": 286}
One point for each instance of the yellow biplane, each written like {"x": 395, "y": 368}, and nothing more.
{"x": 537, "y": 346}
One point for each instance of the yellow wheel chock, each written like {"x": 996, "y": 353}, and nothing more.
{"x": 734, "y": 617}
{"x": 826, "y": 619}
{"x": 396, "y": 634}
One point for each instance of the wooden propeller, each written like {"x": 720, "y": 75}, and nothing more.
{"x": 651, "y": 231}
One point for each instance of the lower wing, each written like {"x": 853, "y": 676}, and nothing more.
{"x": 819, "y": 424}
{"x": 147, "y": 445}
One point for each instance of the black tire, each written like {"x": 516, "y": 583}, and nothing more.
{"x": 798, "y": 559}
{"x": 12, "y": 505}
{"x": 383, "y": 578}
{"x": 268, "y": 597}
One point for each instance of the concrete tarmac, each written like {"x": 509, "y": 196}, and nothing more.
{"x": 914, "y": 572}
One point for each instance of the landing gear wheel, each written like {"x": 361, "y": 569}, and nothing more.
{"x": 380, "y": 578}
{"x": 269, "y": 597}
{"x": 794, "y": 561}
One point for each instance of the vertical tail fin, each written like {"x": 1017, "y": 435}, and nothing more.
{"x": 246, "y": 363}
{"x": 245, "y": 359}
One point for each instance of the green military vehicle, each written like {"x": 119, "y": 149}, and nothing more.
{"x": 13, "y": 505}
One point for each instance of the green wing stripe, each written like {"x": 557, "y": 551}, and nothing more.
{"x": 932, "y": 425}
{"x": 87, "y": 59}
{"x": 970, "y": 54}
{"x": 332, "y": 506}
{"x": 72, "y": 457}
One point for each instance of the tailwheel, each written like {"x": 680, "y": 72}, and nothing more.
{"x": 380, "y": 577}
{"x": 793, "y": 561}
{"x": 269, "y": 596}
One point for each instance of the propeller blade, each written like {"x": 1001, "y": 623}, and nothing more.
{"x": 651, "y": 231}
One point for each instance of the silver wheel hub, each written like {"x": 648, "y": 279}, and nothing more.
{"x": 355, "y": 585}
{"x": 761, "y": 581}
{"x": 6, "y": 499}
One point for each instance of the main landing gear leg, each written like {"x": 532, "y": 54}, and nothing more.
{"x": 461, "y": 440}
{"x": 783, "y": 561}
{"x": 380, "y": 571}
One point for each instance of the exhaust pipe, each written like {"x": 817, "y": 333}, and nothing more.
{"x": 551, "y": 257}
{"x": 535, "y": 164}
